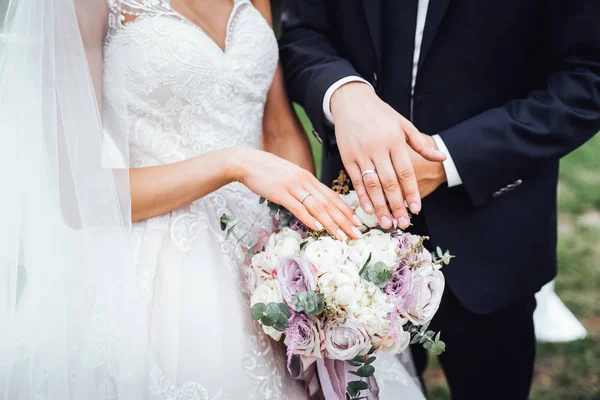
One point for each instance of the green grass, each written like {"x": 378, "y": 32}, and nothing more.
{"x": 568, "y": 371}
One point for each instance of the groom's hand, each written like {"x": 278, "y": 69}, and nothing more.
{"x": 430, "y": 174}
{"x": 374, "y": 143}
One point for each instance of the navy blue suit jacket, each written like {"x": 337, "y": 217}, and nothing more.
{"x": 510, "y": 85}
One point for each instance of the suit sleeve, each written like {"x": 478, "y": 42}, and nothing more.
{"x": 310, "y": 60}
{"x": 497, "y": 147}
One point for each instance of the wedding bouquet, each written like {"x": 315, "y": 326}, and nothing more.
{"x": 346, "y": 300}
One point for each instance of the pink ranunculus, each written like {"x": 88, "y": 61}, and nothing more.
{"x": 344, "y": 341}
{"x": 295, "y": 275}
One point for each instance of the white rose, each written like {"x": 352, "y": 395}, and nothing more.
{"x": 339, "y": 284}
{"x": 370, "y": 307}
{"x": 396, "y": 343}
{"x": 351, "y": 199}
{"x": 380, "y": 245}
{"x": 325, "y": 253}
{"x": 285, "y": 243}
{"x": 268, "y": 292}
{"x": 368, "y": 220}
{"x": 265, "y": 261}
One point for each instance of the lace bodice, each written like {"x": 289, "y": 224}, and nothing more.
{"x": 174, "y": 91}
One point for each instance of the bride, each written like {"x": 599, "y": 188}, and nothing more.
{"x": 115, "y": 276}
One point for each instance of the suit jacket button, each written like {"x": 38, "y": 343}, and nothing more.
{"x": 497, "y": 194}
{"x": 518, "y": 182}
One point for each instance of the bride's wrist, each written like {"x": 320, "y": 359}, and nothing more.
{"x": 234, "y": 163}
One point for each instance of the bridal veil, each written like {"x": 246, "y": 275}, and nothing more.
{"x": 72, "y": 324}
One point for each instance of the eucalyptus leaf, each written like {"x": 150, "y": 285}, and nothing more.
{"x": 257, "y": 311}
{"x": 268, "y": 320}
{"x": 359, "y": 359}
{"x": 310, "y": 302}
{"x": 261, "y": 200}
{"x": 379, "y": 274}
{"x": 365, "y": 371}
{"x": 370, "y": 360}
{"x": 358, "y": 385}
{"x": 230, "y": 230}
{"x": 225, "y": 221}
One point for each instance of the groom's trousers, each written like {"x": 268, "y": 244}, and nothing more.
{"x": 488, "y": 356}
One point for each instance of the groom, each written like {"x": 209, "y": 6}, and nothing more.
{"x": 506, "y": 88}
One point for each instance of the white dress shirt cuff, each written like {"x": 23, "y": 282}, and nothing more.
{"x": 332, "y": 89}
{"x": 451, "y": 172}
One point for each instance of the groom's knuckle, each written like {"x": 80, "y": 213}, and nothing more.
{"x": 390, "y": 185}
{"x": 405, "y": 174}
{"x": 372, "y": 184}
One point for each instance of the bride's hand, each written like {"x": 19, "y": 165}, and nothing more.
{"x": 294, "y": 188}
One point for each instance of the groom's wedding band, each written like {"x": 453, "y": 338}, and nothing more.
{"x": 305, "y": 197}
{"x": 368, "y": 171}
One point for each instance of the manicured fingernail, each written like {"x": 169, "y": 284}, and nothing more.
{"x": 385, "y": 222}
{"x": 357, "y": 232}
{"x": 342, "y": 235}
{"x": 414, "y": 208}
{"x": 368, "y": 208}
{"x": 318, "y": 225}
{"x": 403, "y": 222}
{"x": 357, "y": 220}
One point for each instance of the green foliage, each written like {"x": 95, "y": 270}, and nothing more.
{"x": 311, "y": 302}
{"x": 442, "y": 257}
{"x": 272, "y": 314}
{"x": 378, "y": 273}
{"x": 428, "y": 339}
{"x": 365, "y": 370}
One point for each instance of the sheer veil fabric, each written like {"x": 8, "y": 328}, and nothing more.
{"x": 72, "y": 323}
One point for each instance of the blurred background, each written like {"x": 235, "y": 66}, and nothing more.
{"x": 569, "y": 371}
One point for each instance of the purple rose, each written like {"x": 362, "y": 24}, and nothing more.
{"x": 344, "y": 341}
{"x": 295, "y": 275}
{"x": 427, "y": 286}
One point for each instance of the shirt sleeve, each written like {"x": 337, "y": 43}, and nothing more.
{"x": 329, "y": 93}
{"x": 452, "y": 174}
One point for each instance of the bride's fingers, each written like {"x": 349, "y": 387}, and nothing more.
{"x": 320, "y": 209}
{"x": 339, "y": 211}
{"x": 295, "y": 207}
{"x": 336, "y": 199}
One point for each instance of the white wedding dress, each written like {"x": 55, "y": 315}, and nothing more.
{"x": 185, "y": 96}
